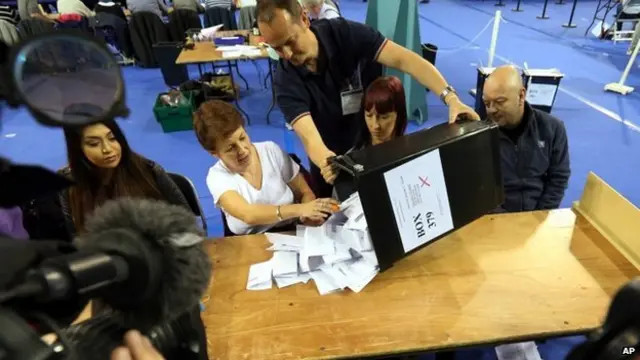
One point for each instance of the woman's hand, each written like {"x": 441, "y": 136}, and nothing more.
{"x": 137, "y": 347}
{"x": 308, "y": 222}
{"x": 319, "y": 209}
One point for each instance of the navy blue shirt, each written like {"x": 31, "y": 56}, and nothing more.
{"x": 346, "y": 49}
{"x": 535, "y": 164}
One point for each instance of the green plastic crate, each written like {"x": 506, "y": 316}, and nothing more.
{"x": 175, "y": 118}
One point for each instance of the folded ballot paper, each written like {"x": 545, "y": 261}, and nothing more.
{"x": 336, "y": 255}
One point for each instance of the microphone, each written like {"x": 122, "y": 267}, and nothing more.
{"x": 143, "y": 259}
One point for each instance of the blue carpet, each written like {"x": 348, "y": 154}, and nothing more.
{"x": 599, "y": 140}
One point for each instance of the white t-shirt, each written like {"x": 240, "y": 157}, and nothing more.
{"x": 278, "y": 169}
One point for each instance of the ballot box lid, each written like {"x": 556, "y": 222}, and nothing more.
{"x": 443, "y": 177}
{"x": 386, "y": 155}
{"x": 549, "y": 73}
{"x": 486, "y": 71}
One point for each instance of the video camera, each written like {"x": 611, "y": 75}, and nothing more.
{"x": 71, "y": 79}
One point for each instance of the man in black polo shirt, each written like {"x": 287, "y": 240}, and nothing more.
{"x": 323, "y": 70}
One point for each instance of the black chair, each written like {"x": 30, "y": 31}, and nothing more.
{"x": 189, "y": 191}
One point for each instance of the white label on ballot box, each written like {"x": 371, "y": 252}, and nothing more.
{"x": 418, "y": 194}
{"x": 541, "y": 94}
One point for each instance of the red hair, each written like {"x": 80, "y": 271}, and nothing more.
{"x": 386, "y": 94}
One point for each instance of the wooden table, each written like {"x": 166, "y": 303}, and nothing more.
{"x": 503, "y": 278}
{"x": 205, "y": 52}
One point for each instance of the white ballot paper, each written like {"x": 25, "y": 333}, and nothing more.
{"x": 284, "y": 263}
{"x": 260, "y": 276}
{"x": 284, "y": 242}
{"x": 334, "y": 256}
{"x": 418, "y": 194}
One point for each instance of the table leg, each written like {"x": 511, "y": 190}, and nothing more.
{"x": 236, "y": 95}
{"x": 235, "y": 65}
{"x": 570, "y": 24}
{"x": 273, "y": 94}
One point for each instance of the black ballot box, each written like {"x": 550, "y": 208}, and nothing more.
{"x": 483, "y": 74}
{"x": 542, "y": 87}
{"x": 419, "y": 187}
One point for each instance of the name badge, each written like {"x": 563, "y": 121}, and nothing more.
{"x": 351, "y": 101}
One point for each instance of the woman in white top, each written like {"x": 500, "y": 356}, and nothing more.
{"x": 257, "y": 185}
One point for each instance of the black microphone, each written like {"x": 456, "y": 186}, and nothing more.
{"x": 143, "y": 259}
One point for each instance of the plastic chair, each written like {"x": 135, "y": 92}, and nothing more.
{"x": 189, "y": 191}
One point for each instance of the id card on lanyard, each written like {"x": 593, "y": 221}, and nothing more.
{"x": 351, "y": 96}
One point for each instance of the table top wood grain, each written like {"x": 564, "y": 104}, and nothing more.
{"x": 502, "y": 278}
{"x": 205, "y": 51}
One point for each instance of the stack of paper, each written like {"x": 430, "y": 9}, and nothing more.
{"x": 336, "y": 255}
{"x": 239, "y": 51}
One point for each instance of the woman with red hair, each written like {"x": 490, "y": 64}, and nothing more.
{"x": 385, "y": 117}
{"x": 385, "y": 112}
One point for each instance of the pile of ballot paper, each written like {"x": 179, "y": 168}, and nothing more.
{"x": 336, "y": 256}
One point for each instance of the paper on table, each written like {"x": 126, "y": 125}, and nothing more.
{"x": 300, "y": 229}
{"x": 360, "y": 273}
{"x": 317, "y": 242}
{"x": 284, "y": 263}
{"x": 357, "y": 223}
{"x": 324, "y": 282}
{"x": 260, "y": 276}
{"x": 309, "y": 263}
{"x": 285, "y": 240}
{"x": 208, "y": 33}
{"x": 358, "y": 240}
{"x": 341, "y": 254}
{"x": 370, "y": 257}
{"x": 284, "y": 281}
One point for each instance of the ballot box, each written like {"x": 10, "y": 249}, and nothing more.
{"x": 483, "y": 73}
{"x": 542, "y": 86}
{"x": 419, "y": 187}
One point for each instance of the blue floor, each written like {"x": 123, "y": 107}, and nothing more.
{"x": 603, "y": 128}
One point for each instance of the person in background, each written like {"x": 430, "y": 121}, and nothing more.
{"x": 74, "y": 7}
{"x": 28, "y": 9}
{"x": 319, "y": 9}
{"x": 385, "y": 112}
{"x": 323, "y": 70}
{"x": 157, "y": 7}
{"x": 257, "y": 185}
{"x": 104, "y": 167}
{"x": 110, "y": 7}
{"x": 226, "y": 4}
{"x": 533, "y": 145}
{"x": 9, "y": 15}
{"x": 193, "y": 5}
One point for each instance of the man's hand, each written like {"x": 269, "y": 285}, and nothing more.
{"x": 137, "y": 347}
{"x": 326, "y": 169}
{"x": 458, "y": 110}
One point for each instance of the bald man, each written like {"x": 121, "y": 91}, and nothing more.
{"x": 533, "y": 145}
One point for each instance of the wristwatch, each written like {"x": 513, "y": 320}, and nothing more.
{"x": 448, "y": 90}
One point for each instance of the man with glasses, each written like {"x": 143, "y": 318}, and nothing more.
{"x": 321, "y": 75}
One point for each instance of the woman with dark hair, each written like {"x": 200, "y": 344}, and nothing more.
{"x": 385, "y": 111}
{"x": 104, "y": 168}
